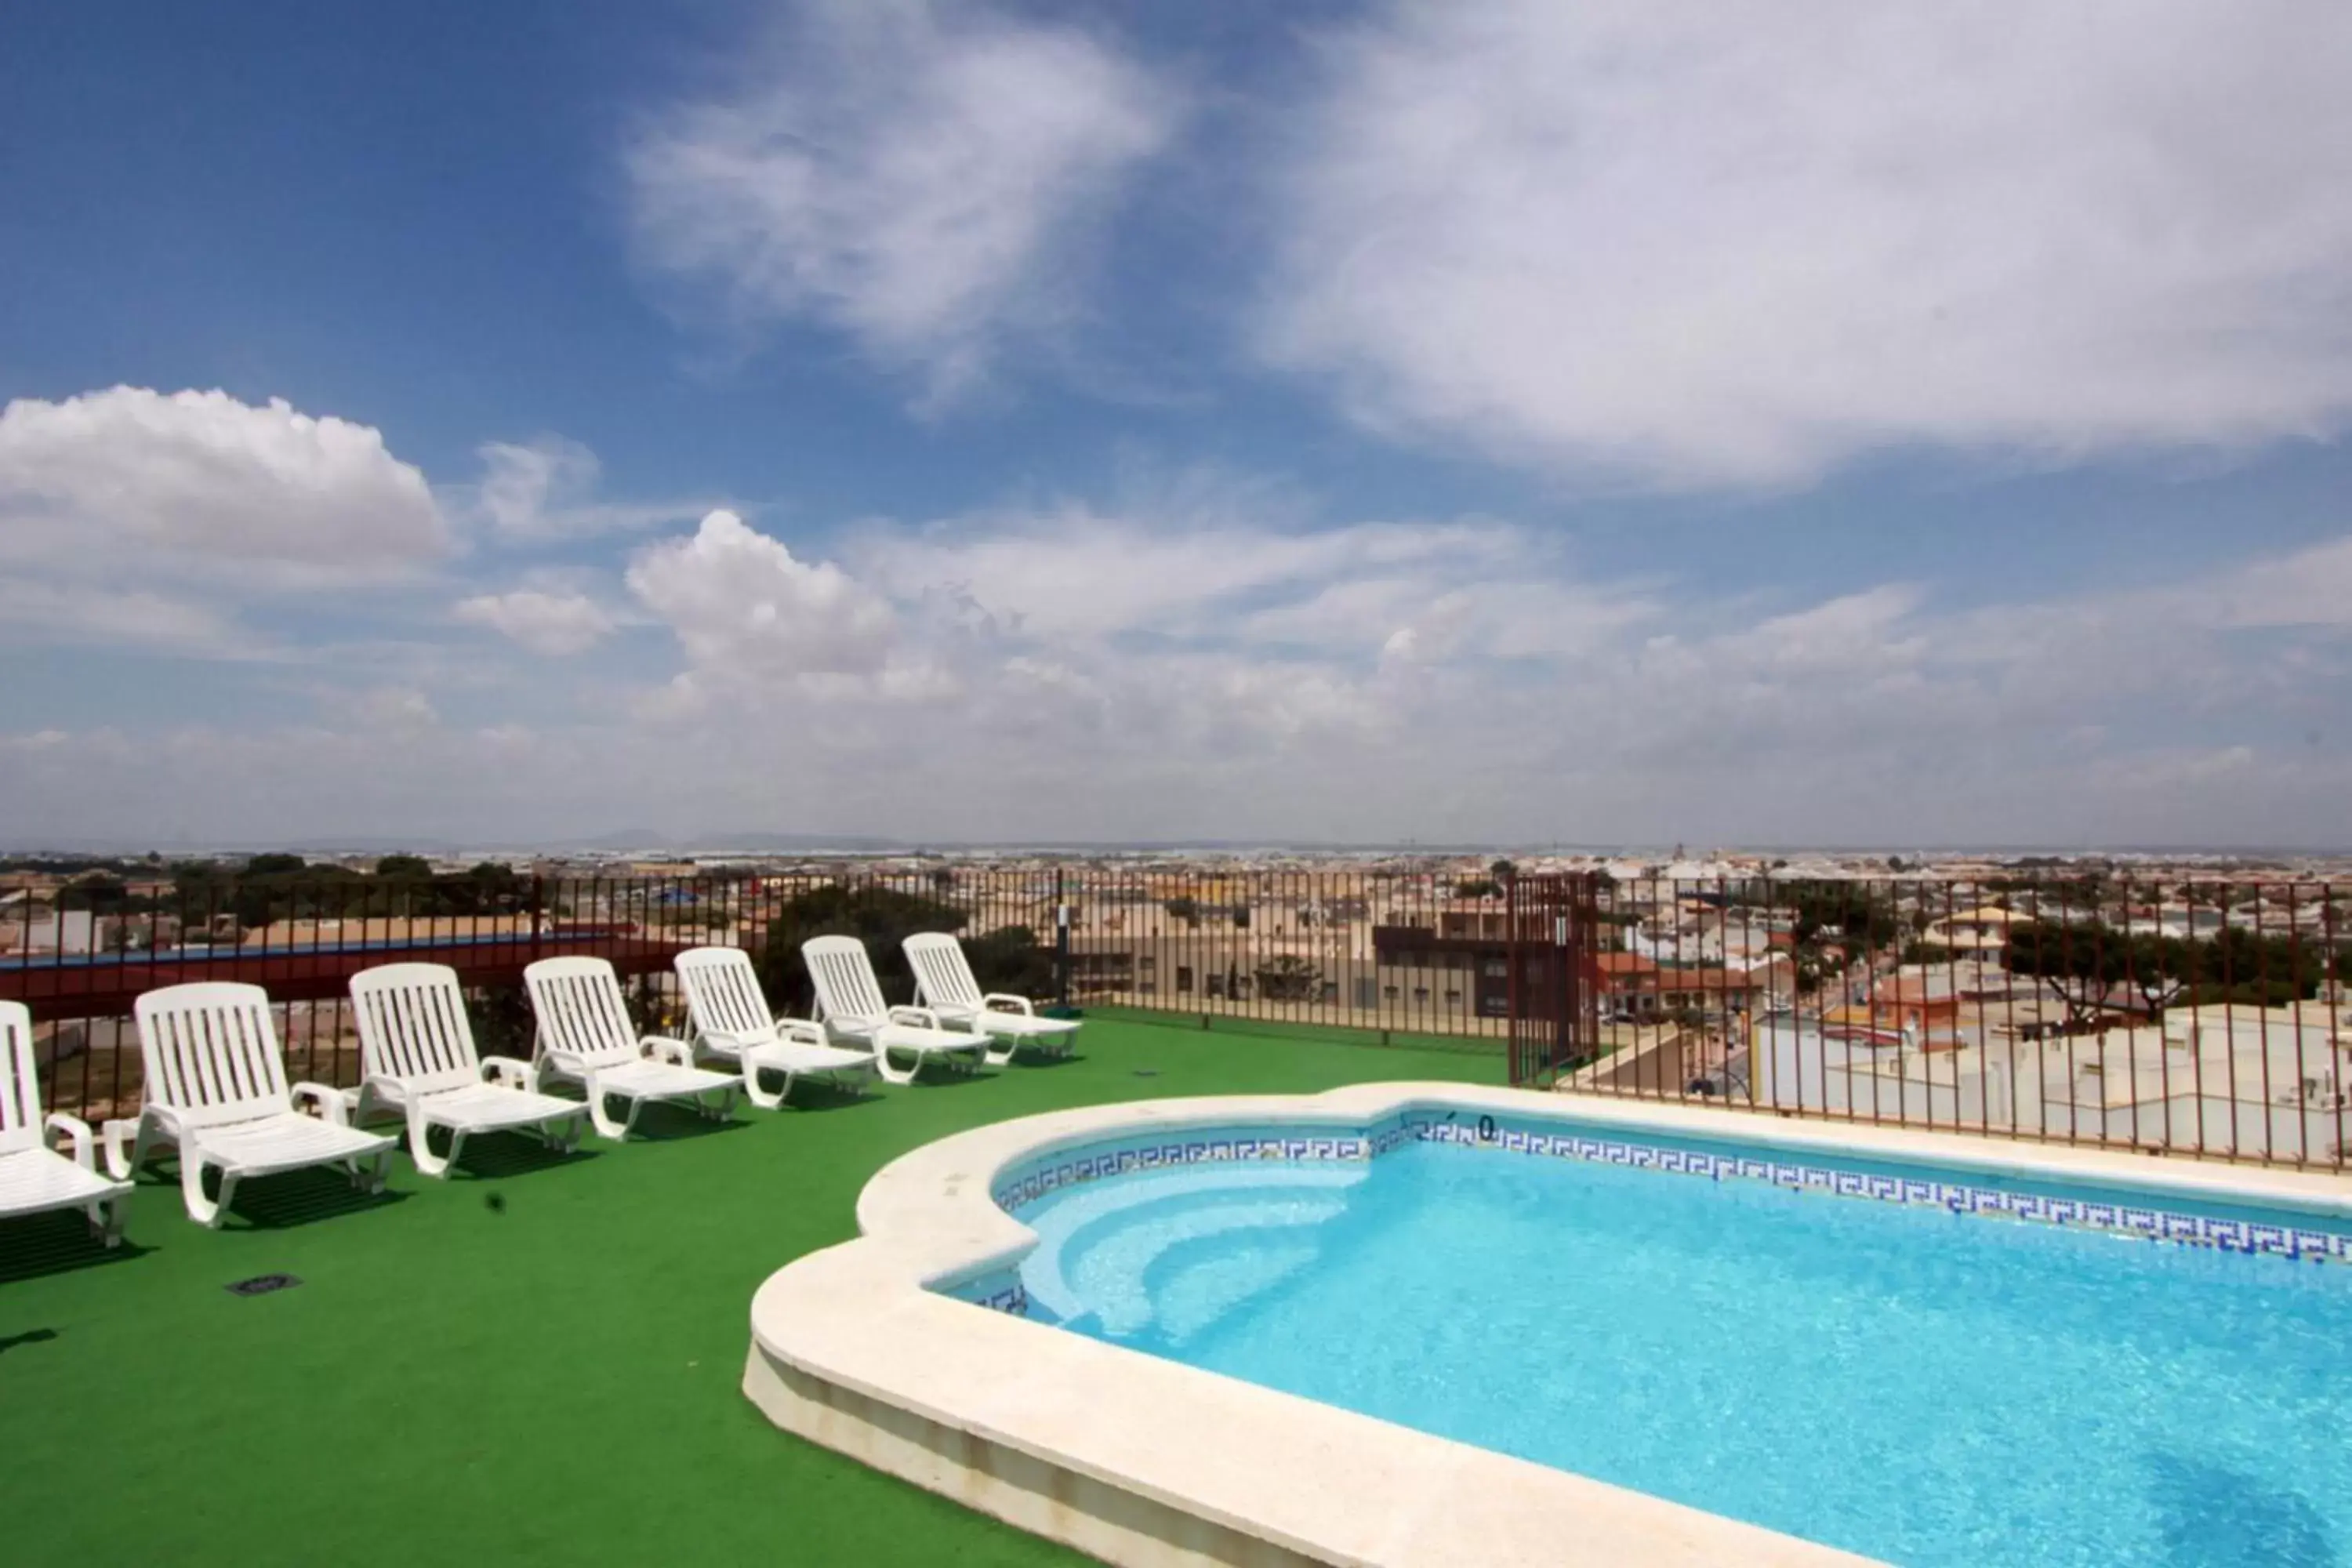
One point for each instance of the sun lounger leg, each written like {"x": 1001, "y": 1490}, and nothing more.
{"x": 563, "y": 1135}
{"x": 106, "y": 1218}
{"x": 370, "y": 1175}
{"x": 598, "y": 1113}
{"x": 149, "y": 1134}
{"x": 760, "y": 1097}
{"x": 204, "y": 1211}
{"x": 420, "y": 1147}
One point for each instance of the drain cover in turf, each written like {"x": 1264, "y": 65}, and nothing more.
{"x": 263, "y": 1284}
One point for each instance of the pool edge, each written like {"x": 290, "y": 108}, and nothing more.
{"x": 1136, "y": 1460}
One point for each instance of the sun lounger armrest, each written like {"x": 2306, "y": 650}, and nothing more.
{"x": 121, "y": 1134}
{"x": 738, "y": 1040}
{"x": 915, "y": 1017}
{"x": 572, "y": 1064}
{"x": 85, "y": 1142}
{"x": 1005, "y": 1001}
{"x": 803, "y": 1032}
{"x": 663, "y": 1049}
{"x": 330, "y": 1101}
{"x": 507, "y": 1071}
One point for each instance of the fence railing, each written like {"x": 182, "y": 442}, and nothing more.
{"x": 1410, "y": 953}
{"x": 2191, "y": 1016}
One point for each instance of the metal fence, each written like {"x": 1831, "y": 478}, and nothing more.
{"x": 2192, "y": 1015}
{"x": 2184, "y": 1015}
{"x": 1396, "y": 954}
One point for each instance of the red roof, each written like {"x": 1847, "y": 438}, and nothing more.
{"x": 1707, "y": 979}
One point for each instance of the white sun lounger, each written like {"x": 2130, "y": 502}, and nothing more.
{"x": 585, "y": 1037}
{"x": 944, "y": 983}
{"x": 217, "y": 1088}
{"x": 417, "y": 1053}
{"x": 34, "y": 1177}
{"x": 849, "y": 1005}
{"x": 731, "y": 1022}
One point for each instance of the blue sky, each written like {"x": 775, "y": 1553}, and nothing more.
{"x": 1608, "y": 424}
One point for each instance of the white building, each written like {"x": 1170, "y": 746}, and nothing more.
{"x": 2258, "y": 1082}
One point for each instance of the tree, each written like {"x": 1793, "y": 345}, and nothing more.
{"x": 2084, "y": 963}
{"x": 1853, "y": 914}
{"x": 1011, "y": 959}
{"x": 881, "y": 918}
{"x": 1286, "y": 977}
{"x": 1008, "y": 958}
{"x": 1185, "y": 910}
{"x": 503, "y": 1023}
{"x": 404, "y": 867}
{"x": 1478, "y": 888}
{"x": 275, "y": 865}
{"x": 1502, "y": 870}
{"x": 2261, "y": 969}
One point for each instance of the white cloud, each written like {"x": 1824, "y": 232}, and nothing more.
{"x": 393, "y": 708}
{"x": 1073, "y": 572}
{"x": 1698, "y": 247}
{"x": 199, "y": 485}
{"x": 2309, "y": 587}
{"x": 923, "y": 177}
{"x": 1174, "y": 670}
{"x": 744, "y": 608}
{"x": 547, "y": 488}
{"x": 553, "y": 624}
{"x": 44, "y": 612}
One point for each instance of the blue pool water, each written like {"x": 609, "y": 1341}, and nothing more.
{"x": 1919, "y": 1386}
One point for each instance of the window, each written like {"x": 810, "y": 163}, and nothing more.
{"x": 1183, "y": 977}
{"x": 1454, "y": 996}
{"x": 1216, "y": 984}
{"x": 1420, "y": 992}
{"x": 1146, "y": 986}
{"x": 1496, "y": 969}
{"x": 1149, "y": 963}
{"x": 1368, "y": 992}
{"x": 1389, "y": 991}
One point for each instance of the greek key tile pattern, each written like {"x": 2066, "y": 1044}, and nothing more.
{"x": 1092, "y": 1164}
{"x": 1002, "y": 1292}
{"x": 1553, "y": 1141}
{"x": 2156, "y": 1224}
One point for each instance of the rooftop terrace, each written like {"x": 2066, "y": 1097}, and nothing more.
{"x": 534, "y": 1361}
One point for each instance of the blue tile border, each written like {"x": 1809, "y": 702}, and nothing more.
{"x": 1003, "y": 1292}
{"x": 2155, "y": 1223}
{"x": 1216, "y": 1147}
{"x": 1000, "y": 1291}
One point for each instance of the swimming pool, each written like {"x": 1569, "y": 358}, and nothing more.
{"x": 1916, "y": 1384}
{"x": 1407, "y": 1324}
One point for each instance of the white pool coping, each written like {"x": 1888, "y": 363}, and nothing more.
{"x": 1140, "y": 1460}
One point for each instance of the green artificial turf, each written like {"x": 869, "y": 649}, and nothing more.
{"x": 1284, "y": 1028}
{"x": 534, "y": 1361}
